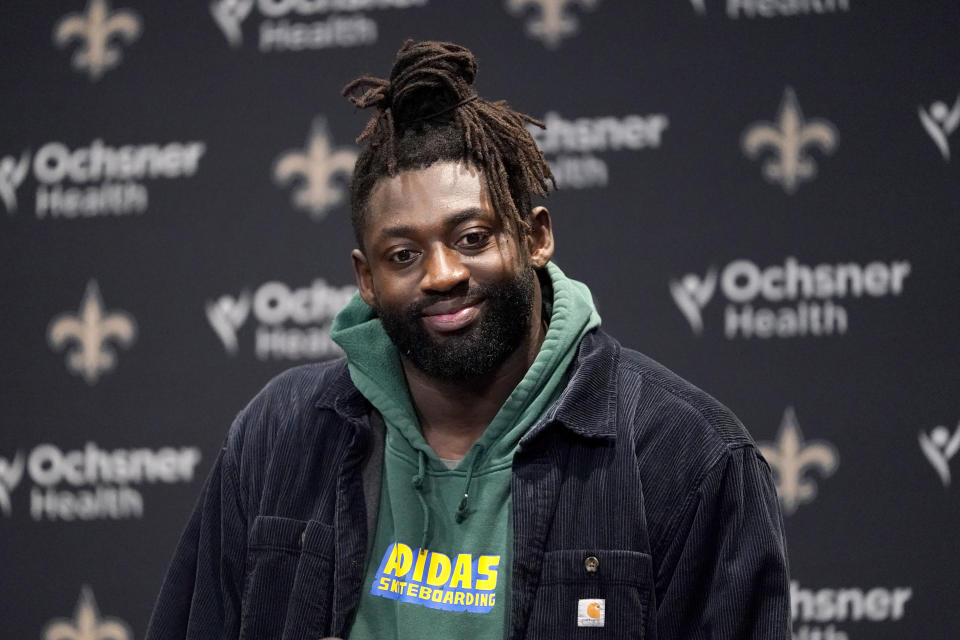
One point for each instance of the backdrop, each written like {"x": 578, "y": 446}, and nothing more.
{"x": 761, "y": 194}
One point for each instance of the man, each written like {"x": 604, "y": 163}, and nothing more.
{"x": 486, "y": 462}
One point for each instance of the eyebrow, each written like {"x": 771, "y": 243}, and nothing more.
{"x": 453, "y": 220}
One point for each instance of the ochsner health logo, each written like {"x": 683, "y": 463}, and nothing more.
{"x": 818, "y": 614}
{"x": 94, "y": 180}
{"x": 751, "y": 9}
{"x": 785, "y": 301}
{"x": 91, "y": 483}
{"x": 576, "y": 148}
{"x": 940, "y": 121}
{"x": 298, "y": 25}
{"x": 292, "y": 324}
{"x": 939, "y": 446}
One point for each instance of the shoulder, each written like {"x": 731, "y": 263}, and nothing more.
{"x": 681, "y": 436}
{"x": 663, "y": 401}
{"x": 287, "y": 402}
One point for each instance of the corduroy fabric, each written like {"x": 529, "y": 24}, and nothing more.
{"x": 631, "y": 465}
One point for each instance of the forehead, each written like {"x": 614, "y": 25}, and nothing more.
{"x": 423, "y": 197}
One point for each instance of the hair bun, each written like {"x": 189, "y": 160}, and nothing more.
{"x": 429, "y": 77}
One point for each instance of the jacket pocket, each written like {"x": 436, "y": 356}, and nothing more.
{"x": 592, "y": 593}
{"x": 289, "y": 575}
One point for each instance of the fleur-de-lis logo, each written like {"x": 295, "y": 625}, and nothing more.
{"x": 940, "y": 447}
{"x": 87, "y": 623}
{"x": 91, "y": 330}
{"x": 554, "y": 22}
{"x": 789, "y": 140}
{"x": 96, "y": 28}
{"x": 317, "y": 169}
{"x": 791, "y": 459}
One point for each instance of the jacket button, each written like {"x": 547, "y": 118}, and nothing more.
{"x": 591, "y": 564}
{"x": 303, "y": 537}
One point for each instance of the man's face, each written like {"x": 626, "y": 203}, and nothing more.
{"x": 455, "y": 289}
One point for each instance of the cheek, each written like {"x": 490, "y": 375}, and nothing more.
{"x": 391, "y": 291}
{"x": 503, "y": 257}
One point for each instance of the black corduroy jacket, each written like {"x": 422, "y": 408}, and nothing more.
{"x": 648, "y": 477}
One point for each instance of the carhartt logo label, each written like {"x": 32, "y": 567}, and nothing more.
{"x": 316, "y": 168}
{"x": 940, "y": 122}
{"x": 940, "y": 447}
{"x": 791, "y": 459}
{"x": 340, "y": 23}
{"x": 774, "y": 8}
{"x": 788, "y": 141}
{"x": 90, "y": 334}
{"x": 87, "y": 624}
{"x": 591, "y": 612}
{"x": 816, "y": 613}
{"x": 784, "y": 301}
{"x": 436, "y": 580}
{"x": 97, "y": 30}
{"x": 275, "y": 307}
{"x": 576, "y": 148}
{"x": 100, "y": 484}
{"x": 692, "y": 293}
{"x": 552, "y": 22}
{"x": 94, "y": 180}
{"x": 11, "y": 472}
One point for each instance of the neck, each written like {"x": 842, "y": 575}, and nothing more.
{"x": 454, "y": 414}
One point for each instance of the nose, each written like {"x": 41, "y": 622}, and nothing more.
{"x": 443, "y": 270}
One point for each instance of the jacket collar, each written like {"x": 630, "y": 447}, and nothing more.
{"x": 587, "y": 406}
{"x": 338, "y": 393}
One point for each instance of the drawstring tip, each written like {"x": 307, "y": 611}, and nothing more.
{"x": 461, "y": 514}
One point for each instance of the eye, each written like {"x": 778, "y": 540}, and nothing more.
{"x": 474, "y": 239}
{"x": 403, "y": 256}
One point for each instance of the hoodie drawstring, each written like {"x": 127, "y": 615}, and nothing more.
{"x": 417, "y": 482}
{"x": 462, "y": 511}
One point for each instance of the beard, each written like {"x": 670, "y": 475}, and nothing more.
{"x": 476, "y": 350}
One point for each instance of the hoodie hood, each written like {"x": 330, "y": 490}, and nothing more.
{"x": 376, "y": 370}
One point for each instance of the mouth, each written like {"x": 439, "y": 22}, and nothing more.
{"x": 448, "y": 317}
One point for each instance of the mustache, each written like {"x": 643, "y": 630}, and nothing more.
{"x": 464, "y": 291}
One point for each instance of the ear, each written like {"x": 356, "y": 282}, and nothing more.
{"x": 361, "y": 270}
{"x": 540, "y": 237}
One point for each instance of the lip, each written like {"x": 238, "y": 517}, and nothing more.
{"x": 451, "y": 316}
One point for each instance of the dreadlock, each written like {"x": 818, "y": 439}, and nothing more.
{"x": 428, "y": 111}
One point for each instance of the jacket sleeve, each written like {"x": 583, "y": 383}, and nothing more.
{"x": 201, "y": 593}
{"x": 724, "y": 575}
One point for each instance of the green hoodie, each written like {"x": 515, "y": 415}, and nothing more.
{"x": 440, "y": 560}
